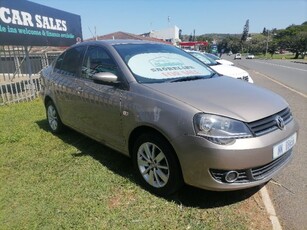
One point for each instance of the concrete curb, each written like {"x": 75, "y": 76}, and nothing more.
{"x": 270, "y": 208}
{"x": 300, "y": 62}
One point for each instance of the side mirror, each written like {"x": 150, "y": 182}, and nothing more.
{"x": 105, "y": 77}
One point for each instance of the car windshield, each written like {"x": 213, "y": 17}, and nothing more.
{"x": 204, "y": 58}
{"x": 212, "y": 56}
{"x": 156, "y": 63}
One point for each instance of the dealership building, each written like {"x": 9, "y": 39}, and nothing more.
{"x": 170, "y": 34}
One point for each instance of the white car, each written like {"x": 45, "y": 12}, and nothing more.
{"x": 226, "y": 70}
{"x": 219, "y": 60}
{"x": 238, "y": 56}
{"x": 250, "y": 56}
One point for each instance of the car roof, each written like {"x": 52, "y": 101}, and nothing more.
{"x": 118, "y": 41}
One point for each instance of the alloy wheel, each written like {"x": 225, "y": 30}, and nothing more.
{"x": 52, "y": 117}
{"x": 153, "y": 165}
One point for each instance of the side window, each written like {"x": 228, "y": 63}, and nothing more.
{"x": 69, "y": 62}
{"x": 97, "y": 60}
{"x": 59, "y": 61}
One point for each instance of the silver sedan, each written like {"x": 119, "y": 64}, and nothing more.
{"x": 178, "y": 120}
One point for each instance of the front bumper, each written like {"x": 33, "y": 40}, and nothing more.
{"x": 200, "y": 159}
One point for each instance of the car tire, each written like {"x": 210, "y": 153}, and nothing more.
{"x": 53, "y": 118}
{"x": 156, "y": 164}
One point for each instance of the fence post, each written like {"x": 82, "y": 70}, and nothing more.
{"x": 29, "y": 69}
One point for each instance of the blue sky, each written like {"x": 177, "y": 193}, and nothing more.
{"x": 214, "y": 16}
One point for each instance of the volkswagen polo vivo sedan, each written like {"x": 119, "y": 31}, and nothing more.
{"x": 178, "y": 120}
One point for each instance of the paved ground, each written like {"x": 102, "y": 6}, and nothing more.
{"x": 288, "y": 190}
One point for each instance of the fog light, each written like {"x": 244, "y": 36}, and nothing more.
{"x": 231, "y": 176}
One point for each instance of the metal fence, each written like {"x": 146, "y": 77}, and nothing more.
{"x": 20, "y": 70}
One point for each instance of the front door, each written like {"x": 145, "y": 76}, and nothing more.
{"x": 100, "y": 103}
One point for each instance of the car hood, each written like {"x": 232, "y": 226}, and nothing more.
{"x": 224, "y": 96}
{"x": 231, "y": 71}
{"x": 225, "y": 62}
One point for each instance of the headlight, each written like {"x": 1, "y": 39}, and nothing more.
{"x": 220, "y": 130}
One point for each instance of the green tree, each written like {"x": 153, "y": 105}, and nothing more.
{"x": 245, "y": 33}
{"x": 180, "y": 34}
{"x": 204, "y": 38}
{"x": 223, "y": 45}
{"x": 273, "y": 47}
{"x": 264, "y": 31}
{"x": 257, "y": 44}
{"x": 293, "y": 38}
{"x": 230, "y": 43}
{"x": 191, "y": 38}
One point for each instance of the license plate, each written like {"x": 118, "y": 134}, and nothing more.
{"x": 284, "y": 146}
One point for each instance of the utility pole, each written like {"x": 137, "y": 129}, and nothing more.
{"x": 94, "y": 35}
{"x": 267, "y": 44}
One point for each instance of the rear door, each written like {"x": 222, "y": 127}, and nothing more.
{"x": 65, "y": 84}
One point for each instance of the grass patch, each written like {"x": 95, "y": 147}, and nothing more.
{"x": 281, "y": 56}
{"x": 71, "y": 181}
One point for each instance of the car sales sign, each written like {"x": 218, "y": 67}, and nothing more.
{"x": 27, "y": 23}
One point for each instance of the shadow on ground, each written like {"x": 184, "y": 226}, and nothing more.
{"x": 116, "y": 162}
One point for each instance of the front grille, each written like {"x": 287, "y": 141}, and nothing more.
{"x": 253, "y": 174}
{"x": 269, "y": 124}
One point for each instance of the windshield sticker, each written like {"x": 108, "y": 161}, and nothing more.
{"x": 165, "y": 65}
{"x": 166, "y": 62}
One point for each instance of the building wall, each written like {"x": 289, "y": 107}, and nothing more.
{"x": 168, "y": 34}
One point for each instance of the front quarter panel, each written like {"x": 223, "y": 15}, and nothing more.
{"x": 145, "y": 107}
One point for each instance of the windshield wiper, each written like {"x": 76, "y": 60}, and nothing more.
{"x": 190, "y": 78}
{"x": 211, "y": 75}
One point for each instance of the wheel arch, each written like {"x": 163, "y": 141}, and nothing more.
{"x": 147, "y": 129}
{"x": 47, "y": 99}
{"x": 176, "y": 179}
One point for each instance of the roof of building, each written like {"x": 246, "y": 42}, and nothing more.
{"x": 125, "y": 35}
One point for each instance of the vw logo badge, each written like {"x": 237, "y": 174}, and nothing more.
{"x": 280, "y": 122}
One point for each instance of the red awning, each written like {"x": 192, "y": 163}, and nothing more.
{"x": 199, "y": 43}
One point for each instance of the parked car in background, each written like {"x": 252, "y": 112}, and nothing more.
{"x": 173, "y": 115}
{"x": 218, "y": 59}
{"x": 226, "y": 70}
{"x": 237, "y": 56}
{"x": 250, "y": 56}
